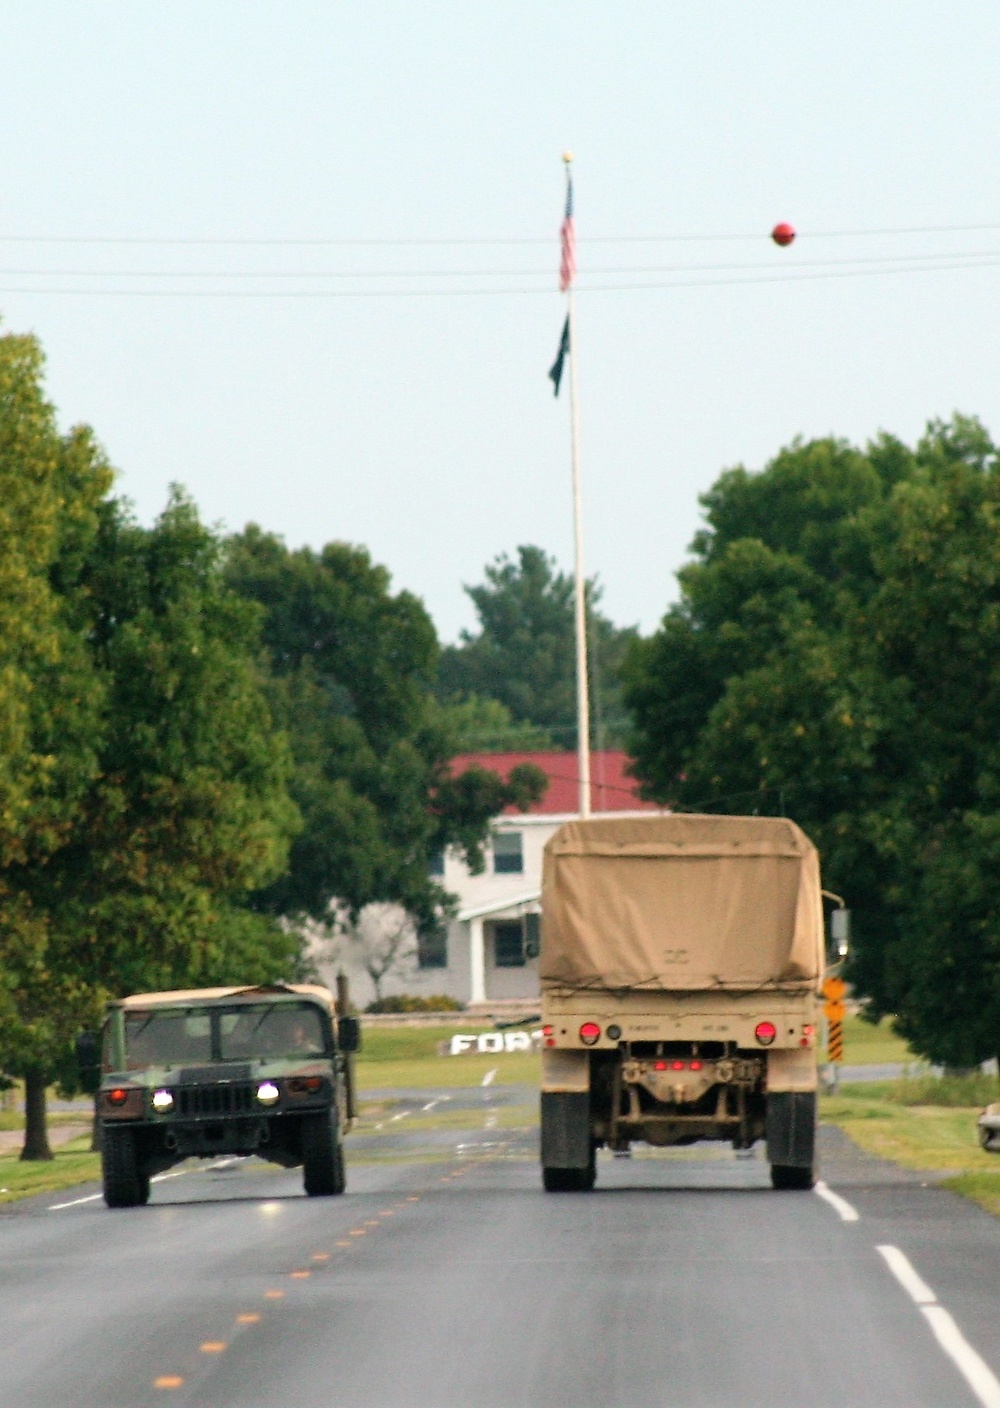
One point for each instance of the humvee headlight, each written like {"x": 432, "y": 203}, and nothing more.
{"x": 268, "y": 1093}
{"x": 163, "y": 1101}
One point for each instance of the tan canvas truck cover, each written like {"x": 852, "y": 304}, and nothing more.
{"x": 681, "y": 903}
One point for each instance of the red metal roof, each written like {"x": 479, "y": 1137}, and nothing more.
{"x": 611, "y": 789}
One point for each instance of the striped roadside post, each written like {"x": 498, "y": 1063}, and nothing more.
{"x": 834, "y": 1011}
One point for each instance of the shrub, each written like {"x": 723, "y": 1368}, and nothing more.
{"x": 975, "y": 1088}
{"x": 406, "y": 1002}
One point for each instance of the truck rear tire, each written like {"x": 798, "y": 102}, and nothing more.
{"x": 125, "y": 1177}
{"x": 786, "y": 1176}
{"x": 567, "y": 1180}
{"x": 322, "y": 1156}
{"x": 791, "y": 1138}
{"x": 571, "y": 1180}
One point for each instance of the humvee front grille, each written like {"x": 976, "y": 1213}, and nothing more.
{"x": 194, "y": 1101}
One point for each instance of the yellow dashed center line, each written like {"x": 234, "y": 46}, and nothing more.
{"x": 250, "y": 1317}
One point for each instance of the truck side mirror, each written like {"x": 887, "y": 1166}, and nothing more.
{"x": 88, "y": 1062}
{"x": 840, "y": 934}
{"x": 349, "y": 1034}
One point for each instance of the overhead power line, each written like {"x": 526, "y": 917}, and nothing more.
{"x": 929, "y": 265}
{"x": 546, "y": 272}
{"x": 415, "y": 241}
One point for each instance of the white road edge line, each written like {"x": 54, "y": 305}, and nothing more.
{"x": 58, "y": 1207}
{"x": 976, "y": 1372}
{"x": 430, "y": 1105}
{"x": 973, "y": 1368}
{"x": 488, "y": 1077}
{"x": 904, "y": 1273}
{"x": 840, "y": 1205}
{"x": 95, "y": 1197}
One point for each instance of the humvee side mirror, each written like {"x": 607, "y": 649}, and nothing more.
{"x": 840, "y": 934}
{"x": 88, "y": 1062}
{"x": 349, "y": 1034}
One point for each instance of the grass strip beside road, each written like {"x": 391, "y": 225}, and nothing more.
{"x": 938, "y": 1139}
{"x": 72, "y": 1165}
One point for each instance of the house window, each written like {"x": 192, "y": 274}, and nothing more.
{"x": 508, "y": 858}
{"x": 508, "y": 944}
{"x": 532, "y": 935}
{"x": 432, "y": 948}
{"x": 435, "y": 862}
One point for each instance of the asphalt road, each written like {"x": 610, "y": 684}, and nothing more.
{"x": 445, "y": 1278}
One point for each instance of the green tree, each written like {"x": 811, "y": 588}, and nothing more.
{"x": 524, "y": 654}
{"x": 186, "y": 812}
{"x": 352, "y": 666}
{"x": 482, "y": 725}
{"x": 51, "y": 699}
{"x": 832, "y": 657}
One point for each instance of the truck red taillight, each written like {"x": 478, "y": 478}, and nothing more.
{"x": 589, "y": 1033}
{"x": 117, "y": 1096}
{"x": 765, "y": 1032}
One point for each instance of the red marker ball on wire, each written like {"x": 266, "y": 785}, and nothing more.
{"x": 783, "y": 234}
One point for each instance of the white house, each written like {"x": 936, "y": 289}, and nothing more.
{"x": 489, "y": 952}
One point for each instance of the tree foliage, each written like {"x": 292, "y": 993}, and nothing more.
{"x": 142, "y": 784}
{"x": 524, "y": 654}
{"x": 352, "y": 666}
{"x": 833, "y": 656}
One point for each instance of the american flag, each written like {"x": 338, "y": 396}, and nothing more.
{"x": 567, "y": 236}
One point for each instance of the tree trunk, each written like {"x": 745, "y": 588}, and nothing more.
{"x": 36, "y": 1134}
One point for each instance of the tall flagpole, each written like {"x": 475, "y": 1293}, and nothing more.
{"x": 567, "y": 273}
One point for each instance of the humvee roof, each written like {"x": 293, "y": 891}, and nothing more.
{"x": 153, "y": 999}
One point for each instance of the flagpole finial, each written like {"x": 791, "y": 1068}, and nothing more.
{"x": 567, "y": 157}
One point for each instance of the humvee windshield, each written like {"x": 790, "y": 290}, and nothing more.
{"x": 247, "y": 1032}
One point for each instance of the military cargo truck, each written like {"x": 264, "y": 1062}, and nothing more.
{"x": 259, "y": 1070}
{"x": 680, "y": 961}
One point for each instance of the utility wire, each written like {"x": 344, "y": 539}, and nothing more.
{"x": 416, "y": 241}
{"x": 930, "y": 266}
{"x": 960, "y": 255}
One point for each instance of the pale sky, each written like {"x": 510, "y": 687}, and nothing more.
{"x": 411, "y": 412}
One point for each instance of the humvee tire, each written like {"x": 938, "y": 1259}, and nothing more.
{"x": 126, "y": 1180}
{"x": 787, "y": 1176}
{"x": 322, "y": 1156}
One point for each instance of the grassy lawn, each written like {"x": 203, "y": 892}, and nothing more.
{"x": 408, "y": 1057}
{"x": 924, "y": 1123}
{"x": 73, "y": 1164}
{"x": 867, "y": 1045}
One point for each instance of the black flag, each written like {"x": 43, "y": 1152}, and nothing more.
{"x": 556, "y": 370}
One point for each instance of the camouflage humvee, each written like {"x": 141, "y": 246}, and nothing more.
{"x": 261, "y": 1070}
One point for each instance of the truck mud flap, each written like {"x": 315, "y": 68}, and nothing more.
{"x": 791, "y": 1128}
{"x": 566, "y": 1129}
